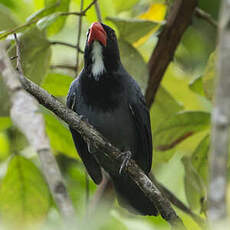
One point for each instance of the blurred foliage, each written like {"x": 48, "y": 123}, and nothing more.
{"x": 180, "y": 116}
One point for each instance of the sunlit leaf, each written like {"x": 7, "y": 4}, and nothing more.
{"x": 209, "y": 76}
{"x": 36, "y": 53}
{"x": 194, "y": 186}
{"x": 57, "y": 84}
{"x": 24, "y": 194}
{"x": 156, "y": 12}
{"x": 121, "y": 5}
{"x": 60, "y": 22}
{"x": 134, "y": 63}
{"x": 197, "y": 86}
{"x": 60, "y": 136}
{"x": 5, "y": 123}
{"x": 179, "y": 127}
{"x": 163, "y": 107}
{"x": 133, "y": 29}
{"x": 200, "y": 158}
{"x": 5, "y": 146}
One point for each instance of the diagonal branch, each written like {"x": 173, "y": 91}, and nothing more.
{"x": 179, "y": 18}
{"x": 207, "y": 17}
{"x": 109, "y": 158}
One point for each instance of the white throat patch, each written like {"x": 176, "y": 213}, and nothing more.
{"x": 97, "y": 58}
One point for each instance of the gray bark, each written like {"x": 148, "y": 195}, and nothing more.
{"x": 220, "y": 122}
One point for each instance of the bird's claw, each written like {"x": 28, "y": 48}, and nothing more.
{"x": 126, "y": 158}
{"x": 83, "y": 118}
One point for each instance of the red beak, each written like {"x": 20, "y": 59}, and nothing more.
{"x": 98, "y": 33}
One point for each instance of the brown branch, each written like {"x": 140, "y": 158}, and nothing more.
{"x": 98, "y": 12}
{"x": 179, "y": 18}
{"x": 110, "y": 157}
{"x": 79, "y": 39}
{"x": 66, "y": 44}
{"x": 207, "y": 17}
{"x": 70, "y": 67}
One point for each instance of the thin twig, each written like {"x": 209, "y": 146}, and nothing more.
{"x": 179, "y": 18}
{"x": 66, "y": 44}
{"x": 98, "y": 12}
{"x": 79, "y": 38}
{"x": 18, "y": 53}
{"x": 24, "y": 114}
{"x": 70, "y": 67}
{"x": 89, "y": 6}
{"x": 207, "y": 17}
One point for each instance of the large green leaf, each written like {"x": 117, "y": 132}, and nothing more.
{"x": 210, "y": 76}
{"x": 5, "y": 122}
{"x": 196, "y": 175}
{"x": 194, "y": 187}
{"x": 57, "y": 84}
{"x": 200, "y": 158}
{"x": 60, "y": 136}
{"x": 180, "y": 126}
{"x": 24, "y": 194}
{"x": 132, "y": 30}
{"x": 60, "y": 22}
{"x": 134, "y": 63}
{"x": 164, "y": 107}
{"x": 36, "y": 53}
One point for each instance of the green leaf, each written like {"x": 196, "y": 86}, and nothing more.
{"x": 47, "y": 21}
{"x": 6, "y": 19}
{"x": 209, "y": 76}
{"x": 36, "y": 53}
{"x": 132, "y": 30}
{"x": 57, "y": 84}
{"x": 197, "y": 86}
{"x": 194, "y": 187}
{"x": 134, "y": 63}
{"x": 200, "y": 158}
{"x": 121, "y": 5}
{"x": 179, "y": 127}
{"x": 59, "y": 23}
{"x": 163, "y": 107}
{"x": 24, "y": 194}
{"x": 60, "y": 136}
{"x": 5, "y": 123}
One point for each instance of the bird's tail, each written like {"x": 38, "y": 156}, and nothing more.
{"x": 131, "y": 197}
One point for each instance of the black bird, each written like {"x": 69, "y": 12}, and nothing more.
{"x": 111, "y": 100}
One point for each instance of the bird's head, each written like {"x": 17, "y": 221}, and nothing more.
{"x": 101, "y": 50}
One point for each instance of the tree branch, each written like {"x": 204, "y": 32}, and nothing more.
{"x": 220, "y": 124}
{"x": 66, "y": 44}
{"x": 70, "y": 67}
{"x": 179, "y": 18}
{"x": 78, "y": 38}
{"x": 110, "y": 157}
{"x": 98, "y": 12}
{"x": 24, "y": 115}
{"x": 207, "y": 17}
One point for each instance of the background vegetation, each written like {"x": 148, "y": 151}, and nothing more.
{"x": 180, "y": 115}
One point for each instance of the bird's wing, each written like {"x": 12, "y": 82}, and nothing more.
{"x": 140, "y": 115}
{"x": 88, "y": 159}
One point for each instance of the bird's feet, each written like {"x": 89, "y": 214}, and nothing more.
{"x": 126, "y": 156}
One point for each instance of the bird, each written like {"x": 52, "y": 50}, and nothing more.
{"x": 110, "y": 99}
